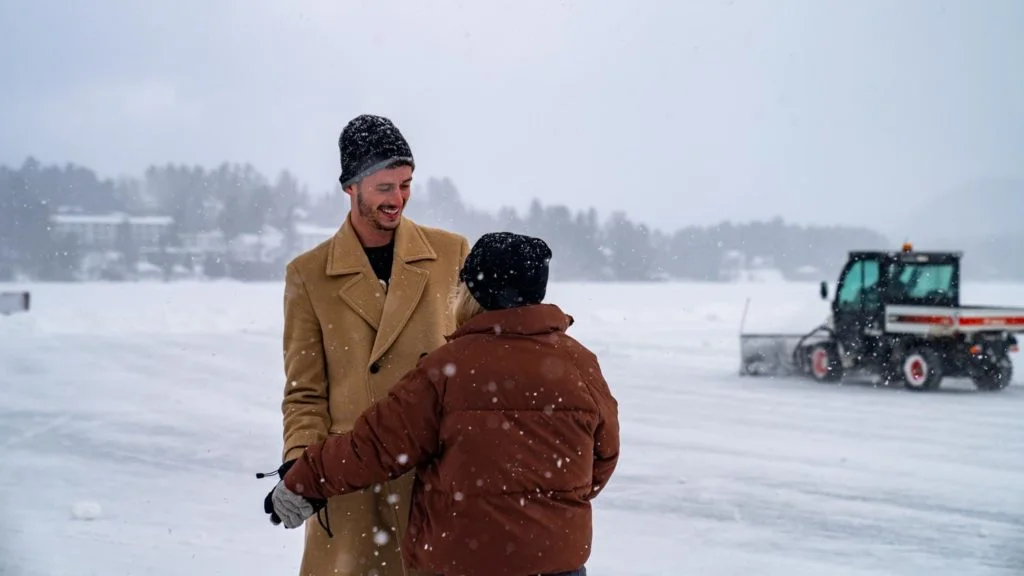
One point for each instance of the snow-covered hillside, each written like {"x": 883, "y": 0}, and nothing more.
{"x": 134, "y": 416}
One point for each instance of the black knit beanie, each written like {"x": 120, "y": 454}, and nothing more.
{"x": 506, "y": 270}
{"x": 369, "y": 143}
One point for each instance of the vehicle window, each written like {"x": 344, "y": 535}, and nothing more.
{"x": 926, "y": 281}
{"x": 860, "y": 286}
{"x": 853, "y": 282}
{"x": 870, "y": 297}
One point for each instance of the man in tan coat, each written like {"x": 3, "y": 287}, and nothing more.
{"x": 360, "y": 310}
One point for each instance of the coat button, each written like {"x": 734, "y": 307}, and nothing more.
{"x": 374, "y": 368}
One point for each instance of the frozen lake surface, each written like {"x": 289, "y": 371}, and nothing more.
{"x": 133, "y": 417}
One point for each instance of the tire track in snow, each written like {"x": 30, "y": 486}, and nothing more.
{"x": 53, "y": 423}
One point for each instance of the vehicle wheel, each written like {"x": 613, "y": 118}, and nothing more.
{"x": 921, "y": 369}
{"x": 993, "y": 375}
{"x": 825, "y": 363}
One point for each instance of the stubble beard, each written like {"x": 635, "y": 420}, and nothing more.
{"x": 369, "y": 214}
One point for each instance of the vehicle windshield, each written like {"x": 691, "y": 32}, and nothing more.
{"x": 923, "y": 283}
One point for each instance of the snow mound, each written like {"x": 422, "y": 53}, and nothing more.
{"x": 86, "y": 510}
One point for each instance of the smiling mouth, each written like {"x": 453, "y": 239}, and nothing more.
{"x": 391, "y": 211}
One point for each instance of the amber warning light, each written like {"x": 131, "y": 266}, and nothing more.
{"x": 908, "y": 247}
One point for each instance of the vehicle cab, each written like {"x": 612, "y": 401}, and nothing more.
{"x": 872, "y": 280}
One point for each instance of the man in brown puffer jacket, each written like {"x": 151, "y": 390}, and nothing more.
{"x": 510, "y": 426}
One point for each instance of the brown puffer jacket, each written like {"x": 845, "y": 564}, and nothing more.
{"x": 512, "y": 430}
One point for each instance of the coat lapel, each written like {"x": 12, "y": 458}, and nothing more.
{"x": 363, "y": 292}
{"x": 407, "y": 284}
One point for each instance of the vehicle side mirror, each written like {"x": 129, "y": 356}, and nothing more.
{"x": 824, "y": 290}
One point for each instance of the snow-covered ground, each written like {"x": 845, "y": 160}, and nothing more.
{"x": 133, "y": 418}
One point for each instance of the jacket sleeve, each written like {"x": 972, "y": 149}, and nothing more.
{"x": 606, "y": 435}
{"x": 393, "y": 436}
{"x": 305, "y": 412}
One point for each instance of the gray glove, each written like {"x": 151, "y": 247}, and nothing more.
{"x": 290, "y": 507}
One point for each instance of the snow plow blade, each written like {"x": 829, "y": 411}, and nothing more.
{"x": 768, "y": 354}
{"x": 775, "y": 354}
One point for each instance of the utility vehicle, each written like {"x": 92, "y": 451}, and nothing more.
{"x": 897, "y": 316}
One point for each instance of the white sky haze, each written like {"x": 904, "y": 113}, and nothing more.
{"x": 677, "y": 112}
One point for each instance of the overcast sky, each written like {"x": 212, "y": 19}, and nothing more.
{"x": 676, "y": 111}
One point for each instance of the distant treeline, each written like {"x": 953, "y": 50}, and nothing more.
{"x": 234, "y": 199}
{"x": 617, "y": 248}
{"x": 237, "y": 199}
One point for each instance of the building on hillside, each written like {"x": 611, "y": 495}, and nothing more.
{"x": 203, "y": 243}
{"x": 265, "y": 246}
{"x": 736, "y": 266}
{"x": 100, "y": 231}
{"x": 153, "y": 244}
{"x": 307, "y": 236}
{"x": 272, "y": 245}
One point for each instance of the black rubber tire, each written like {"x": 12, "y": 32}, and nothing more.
{"x": 921, "y": 369}
{"x": 994, "y": 377}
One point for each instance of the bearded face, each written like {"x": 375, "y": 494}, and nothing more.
{"x": 380, "y": 198}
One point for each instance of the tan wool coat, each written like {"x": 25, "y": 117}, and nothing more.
{"x": 347, "y": 340}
